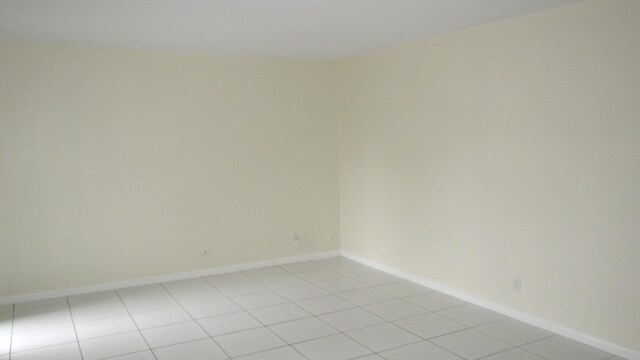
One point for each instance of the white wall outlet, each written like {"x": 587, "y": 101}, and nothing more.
{"x": 295, "y": 241}
{"x": 516, "y": 283}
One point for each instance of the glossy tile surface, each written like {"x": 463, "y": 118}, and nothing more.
{"x": 329, "y": 309}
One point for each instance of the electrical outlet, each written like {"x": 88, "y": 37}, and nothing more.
{"x": 295, "y": 241}
{"x": 516, "y": 283}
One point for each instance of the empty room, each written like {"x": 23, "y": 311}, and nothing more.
{"x": 320, "y": 179}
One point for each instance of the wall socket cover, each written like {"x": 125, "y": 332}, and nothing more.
{"x": 516, "y": 283}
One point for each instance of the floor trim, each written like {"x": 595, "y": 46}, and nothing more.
{"x": 518, "y": 315}
{"x": 164, "y": 278}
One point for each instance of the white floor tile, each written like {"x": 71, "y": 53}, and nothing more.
{"x": 513, "y": 354}
{"x": 86, "y": 311}
{"x": 354, "y": 269}
{"x": 5, "y": 344}
{"x": 302, "y": 292}
{"x": 302, "y": 330}
{"x": 143, "y": 291}
{"x": 153, "y": 302}
{"x": 383, "y": 337}
{"x": 142, "y": 355}
{"x": 186, "y": 285}
{"x": 103, "y": 327}
{"x": 336, "y": 262}
{"x": 301, "y": 267}
{"x": 561, "y": 348}
{"x": 435, "y": 301}
{"x": 173, "y": 334}
{"x": 212, "y": 308}
{"x": 395, "y": 309}
{"x": 324, "y": 304}
{"x": 377, "y": 278}
{"x": 228, "y": 323}
{"x": 283, "y": 353}
{"x": 366, "y": 296}
{"x": 205, "y": 349}
{"x": 114, "y": 345}
{"x": 153, "y": 318}
{"x": 42, "y": 338}
{"x": 421, "y": 350}
{"x": 404, "y": 288}
{"x": 428, "y": 326}
{"x": 351, "y": 319}
{"x": 514, "y": 332}
{"x": 228, "y": 278}
{"x": 6, "y": 326}
{"x": 70, "y": 351}
{"x": 281, "y": 282}
{"x": 279, "y": 313}
{"x": 241, "y": 288}
{"x": 258, "y": 300}
{"x": 315, "y": 276}
{"x": 340, "y": 285}
{"x": 471, "y": 315}
{"x": 249, "y": 341}
{"x": 470, "y": 344}
{"x": 41, "y": 306}
{"x": 42, "y": 321}
{"x": 266, "y": 272}
{"x": 337, "y": 347}
{"x": 332, "y": 260}
{"x": 378, "y": 312}
{"x": 197, "y": 295}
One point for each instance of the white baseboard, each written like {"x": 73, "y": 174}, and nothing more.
{"x": 515, "y": 314}
{"x": 163, "y": 278}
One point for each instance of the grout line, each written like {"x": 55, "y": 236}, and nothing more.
{"x": 135, "y": 324}
{"x": 337, "y": 294}
{"x": 356, "y": 306}
{"x": 393, "y": 322}
{"x": 535, "y": 341}
{"x": 75, "y": 331}
{"x": 313, "y": 315}
{"x": 13, "y": 320}
{"x": 131, "y": 353}
{"x": 560, "y": 330}
{"x": 194, "y": 320}
{"x": 21, "y": 352}
{"x": 520, "y": 347}
{"x": 362, "y": 307}
{"x": 268, "y": 328}
{"x": 328, "y": 293}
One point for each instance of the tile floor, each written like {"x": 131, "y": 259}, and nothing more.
{"x": 330, "y": 309}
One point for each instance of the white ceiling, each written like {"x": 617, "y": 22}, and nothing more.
{"x": 323, "y": 29}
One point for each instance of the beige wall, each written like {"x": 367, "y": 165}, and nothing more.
{"x": 511, "y": 148}
{"x": 117, "y": 165}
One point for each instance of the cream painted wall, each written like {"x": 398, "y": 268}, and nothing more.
{"x": 117, "y": 165}
{"x": 511, "y": 148}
